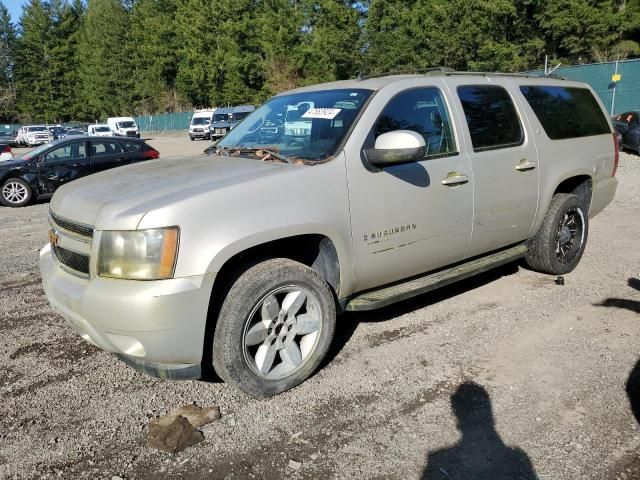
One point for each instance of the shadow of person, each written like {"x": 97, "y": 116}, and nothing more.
{"x": 632, "y": 388}
{"x": 480, "y": 454}
{"x": 624, "y": 303}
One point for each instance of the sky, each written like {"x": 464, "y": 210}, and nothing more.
{"x": 15, "y": 8}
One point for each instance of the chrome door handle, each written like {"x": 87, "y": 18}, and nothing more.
{"x": 525, "y": 165}
{"x": 454, "y": 178}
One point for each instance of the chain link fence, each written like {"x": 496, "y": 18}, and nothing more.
{"x": 618, "y": 96}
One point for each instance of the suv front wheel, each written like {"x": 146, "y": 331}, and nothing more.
{"x": 560, "y": 241}
{"x": 274, "y": 328}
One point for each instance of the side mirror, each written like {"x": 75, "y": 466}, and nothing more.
{"x": 397, "y": 147}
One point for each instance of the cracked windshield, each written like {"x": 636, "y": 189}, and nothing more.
{"x": 307, "y": 126}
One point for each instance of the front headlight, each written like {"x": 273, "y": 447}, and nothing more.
{"x": 139, "y": 255}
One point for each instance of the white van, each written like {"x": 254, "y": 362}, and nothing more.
{"x": 200, "y": 124}
{"x": 123, "y": 127}
{"x": 99, "y": 130}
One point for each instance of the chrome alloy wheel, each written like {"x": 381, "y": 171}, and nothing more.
{"x": 282, "y": 332}
{"x": 14, "y": 192}
{"x": 570, "y": 235}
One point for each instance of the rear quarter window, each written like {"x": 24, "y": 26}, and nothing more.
{"x": 131, "y": 146}
{"x": 566, "y": 112}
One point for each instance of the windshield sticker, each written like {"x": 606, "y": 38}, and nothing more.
{"x": 326, "y": 113}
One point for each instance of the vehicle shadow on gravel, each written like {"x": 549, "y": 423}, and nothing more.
{"x": 480, "y": 453}
{"x": 348, "y": 322}
{"x": 632, "y": 386}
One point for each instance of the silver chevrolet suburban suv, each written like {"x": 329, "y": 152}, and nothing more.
{"x": 238, "y": 261}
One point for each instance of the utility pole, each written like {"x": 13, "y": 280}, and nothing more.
{"x": 615, "y": 84}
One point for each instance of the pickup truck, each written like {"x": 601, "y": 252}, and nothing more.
{"x": 241, "y": 260}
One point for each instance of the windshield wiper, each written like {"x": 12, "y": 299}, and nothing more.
{"x": 268, "y": 153}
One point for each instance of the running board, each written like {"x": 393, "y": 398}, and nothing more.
{"x": 384, "y": 296}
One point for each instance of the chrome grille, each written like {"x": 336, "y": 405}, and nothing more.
{"x": 79, "y": 228}
{"x": 73, "y": 260}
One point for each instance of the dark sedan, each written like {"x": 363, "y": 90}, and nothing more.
{"x": 628, "y": 126}
{"x": 38, "y": 173}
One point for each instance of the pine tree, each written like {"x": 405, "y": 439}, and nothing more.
{"x": 34, "y": 85}
{"x": 105, "y": 66}
{"x": 154, "y": 47}
{"x": 7, "y": 61}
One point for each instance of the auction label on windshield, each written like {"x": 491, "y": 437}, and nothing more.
{"x": 326, "y": 113}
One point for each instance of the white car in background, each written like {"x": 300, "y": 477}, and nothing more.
{"x": 32, "y": 135}
{"x": 99, "y": 130}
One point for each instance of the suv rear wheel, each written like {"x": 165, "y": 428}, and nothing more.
{"x": 274, "y": 328}
{"x": 560, "y": 241}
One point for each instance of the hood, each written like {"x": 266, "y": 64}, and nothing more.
{"x": 14, "y": 162}
{"x": 117, "y": 199}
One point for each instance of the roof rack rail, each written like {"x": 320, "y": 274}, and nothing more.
{"x": 406, "y": 72}
{"x": 503, "y": 74}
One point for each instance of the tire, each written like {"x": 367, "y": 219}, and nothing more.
{"x": 559, "y": 244}
{"x": 259, "y": 349}
{"x": 15, "y": 192}
{"x": 190, "y": 138}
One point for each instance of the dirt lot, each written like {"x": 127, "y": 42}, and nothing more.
{"x": 537, "y": 375}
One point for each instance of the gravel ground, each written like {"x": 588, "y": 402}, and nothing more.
{"x": 535, "y": 372}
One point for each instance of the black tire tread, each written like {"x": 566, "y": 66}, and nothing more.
{"x": 539, "y": 255}
{"x": 254, "y": 278}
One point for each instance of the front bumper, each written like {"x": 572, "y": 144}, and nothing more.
{"x": 200, "y": 134}
{"x": 155, "y": 326}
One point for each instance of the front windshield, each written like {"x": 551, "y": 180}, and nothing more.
{"x": 101, "y": 129}
{"x": 315, "y": 124}
{"x": 126, "y": 125}
{"x": 200, "y": 121}
{"x": 220, "y": 117}
{"x": 37, "y": 129}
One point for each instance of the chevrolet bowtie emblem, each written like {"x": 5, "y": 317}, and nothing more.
{"x": 53, "y": 238}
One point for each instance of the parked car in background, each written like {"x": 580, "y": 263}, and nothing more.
{"x": 628, "y": 126}
{"x": 123, "y": 127}
{"x": 99, "y": 130}
{"x": 73, "y": 132}
{"x": 38, "y": 173}
{"x": 5, "y": 152}
{"x": 58, "y": 131}
{"x": 239, "y": 113}
{"x": 7, "y": 137}
{"x": 221, "y": 123}
{"x": 32, "y": 135}
{"x": 200, "y": 124}
{"x": 396, "y": 186}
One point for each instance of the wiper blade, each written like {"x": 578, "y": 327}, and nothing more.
{"x": 264, "y": 153}
{"x": 214, "y": 150}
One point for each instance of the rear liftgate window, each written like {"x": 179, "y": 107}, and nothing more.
{"x": 491, "y": 116}
{"x": 566, "y": 112}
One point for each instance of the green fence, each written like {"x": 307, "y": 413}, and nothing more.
{"x": 618, "y": 97}
{"x": 167, "y": 122}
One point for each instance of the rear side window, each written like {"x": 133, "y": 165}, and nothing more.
{"x": 421, "y": 110}
{"x": 105, "y": 147}
{"x": 566, "y": 112}
{"x": 132, "y": 146}
{"x": 491, "y": 116}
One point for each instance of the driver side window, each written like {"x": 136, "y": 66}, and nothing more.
{"x": 421, "y": 110}
{"x": 65, "y": 152}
